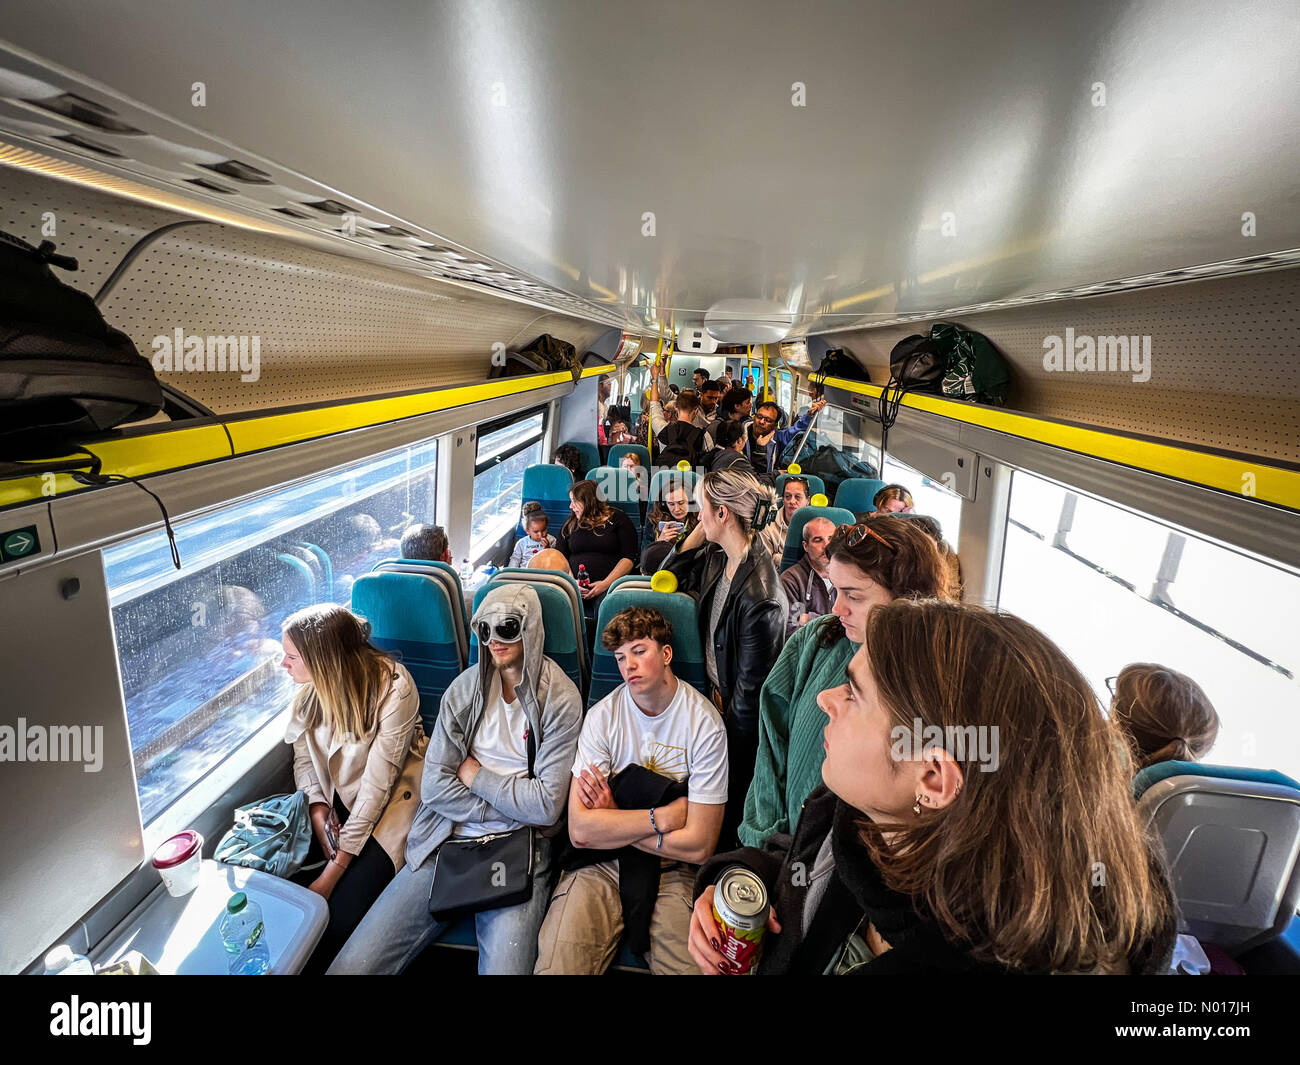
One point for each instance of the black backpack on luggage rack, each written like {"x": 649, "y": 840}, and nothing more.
{"x": 64, "y": 372}
{"x": 546, "y": 354}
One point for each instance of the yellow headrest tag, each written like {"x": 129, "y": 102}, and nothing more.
{"x": 663, "y": 581}
{"x": 795, "y": 469}
{"x": 820, "y": 500}
{"x": 684, "y": 466}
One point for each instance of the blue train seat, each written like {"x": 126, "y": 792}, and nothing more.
{"x": 794, "y": 534}
{"x": 547, "y": 484}
{"x": 1233, "y": 840}
{"x": 815, "y": 484}
{"x": 590, "y": 453}
{"x": 620, "y": 488}
{"x": 563, "y": 634}
{"x": 682, "y": 615}
{"x": 446, "y": 574}
{"x": 411, "y": 615}
{"x": 857, "y": 494}
{"x": 617, "y": 452}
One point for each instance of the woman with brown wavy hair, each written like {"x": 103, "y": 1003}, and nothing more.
{"x": 598, "y": 537}
{"x": 975, "y": 818}
{"x": 1163, "y": 715}
{"x": 869, "y": 564}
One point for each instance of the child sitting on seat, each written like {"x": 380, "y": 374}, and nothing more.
{"x": 535, "y": 537}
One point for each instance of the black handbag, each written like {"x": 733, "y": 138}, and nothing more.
{"x": 485, "y": 873}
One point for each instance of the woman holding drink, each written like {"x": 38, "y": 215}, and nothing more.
{"x": 928, "y": 857}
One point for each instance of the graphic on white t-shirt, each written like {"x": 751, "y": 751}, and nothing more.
{"x": 686, "y": 742}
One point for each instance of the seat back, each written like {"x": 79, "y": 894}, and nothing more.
{"x": 682, "y": 615}
{"x": 617, "y": 452}
{"x": 857, "y": 493}
{"x": 562, "y": 618}
{"x": 620, "y": 488}
{"x": 815, "y": 484}
{"x": 446, "y": 574}
{"x": 411, "y": 616}
{"x": 794, "y": 534}
{"x": 1233, "y": 844}
{"x": 547, "y": 484}
{"x": 327, "y": 567}
{"x": 590, "y": 453}
{"x": 662, "y": 478}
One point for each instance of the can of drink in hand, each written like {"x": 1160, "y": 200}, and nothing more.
{"x": 740, "y": 911}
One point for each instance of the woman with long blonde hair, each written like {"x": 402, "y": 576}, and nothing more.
{"x": 358, "y": 750}
{"x": 974, "y": 818}
{"x": 724, "y": 564}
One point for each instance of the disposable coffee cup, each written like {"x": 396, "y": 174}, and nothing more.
{"x": 179, "y": 861}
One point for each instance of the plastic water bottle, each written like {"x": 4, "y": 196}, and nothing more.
{"x": 64, "y": 961}
{"x": 584, "y": 582}
{"x": 466, "y": 571}
{"x": 244, "y": 936}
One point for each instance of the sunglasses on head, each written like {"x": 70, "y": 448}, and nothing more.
{"x": 509, "y": 629}
{"x": 855, "y": 534}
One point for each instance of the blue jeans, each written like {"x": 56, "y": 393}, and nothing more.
{"x": 398, "y": 926}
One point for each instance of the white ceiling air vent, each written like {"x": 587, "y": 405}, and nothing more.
{"x": 748, "y": 321}
{"x": 696, "y": 338}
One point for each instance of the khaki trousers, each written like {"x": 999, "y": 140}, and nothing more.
{"x": 584, "y": 924}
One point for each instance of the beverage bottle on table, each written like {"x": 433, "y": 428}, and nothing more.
{"x": 64, "y": 961}
{"x": 244, "y": 936}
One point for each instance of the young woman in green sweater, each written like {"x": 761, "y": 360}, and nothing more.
{"x": 870, "y": 564}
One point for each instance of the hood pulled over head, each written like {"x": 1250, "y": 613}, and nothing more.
{"x": 506, "y": 609}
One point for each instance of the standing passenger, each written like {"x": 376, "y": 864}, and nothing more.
{"x": 742, "y": 611}
{"x": 357, "y": 752}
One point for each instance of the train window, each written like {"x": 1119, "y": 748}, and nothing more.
{"x": 931, "y": 497}
{"x": 198, "y": 649}
{"x": 784, "y": 395}
{"x": 503, "y": 455}
{"x": 1113, "y": 587}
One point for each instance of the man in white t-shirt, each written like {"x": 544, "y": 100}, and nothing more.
{"x": 663, "y": 725}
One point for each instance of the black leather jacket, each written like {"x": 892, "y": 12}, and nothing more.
{"x": 750, "y": 632}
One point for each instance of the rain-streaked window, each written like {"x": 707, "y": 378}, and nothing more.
{"x": 198, "y": 648}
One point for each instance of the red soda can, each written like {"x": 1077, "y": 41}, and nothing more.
{"x": 740, "y": 911}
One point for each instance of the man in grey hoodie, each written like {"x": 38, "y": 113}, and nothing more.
{"x": 476, "y": 783}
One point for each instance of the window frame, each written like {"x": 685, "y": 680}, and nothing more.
{"x": 192, "y": 798}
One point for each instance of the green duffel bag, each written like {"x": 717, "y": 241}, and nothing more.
{"x": 975, "y": 371}
{"x": 272, "y": 835}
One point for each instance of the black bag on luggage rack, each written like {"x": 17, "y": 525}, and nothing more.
{"x": 546, "y": 354}
{"x": 838, "y": 363}
{"x": 64, "y": 372}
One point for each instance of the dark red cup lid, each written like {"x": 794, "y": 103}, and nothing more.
{"x": 177, "y": 849}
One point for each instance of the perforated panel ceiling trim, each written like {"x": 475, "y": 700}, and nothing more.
{"x": 1224, "y": 372}
{"x": 327, "y": 327}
